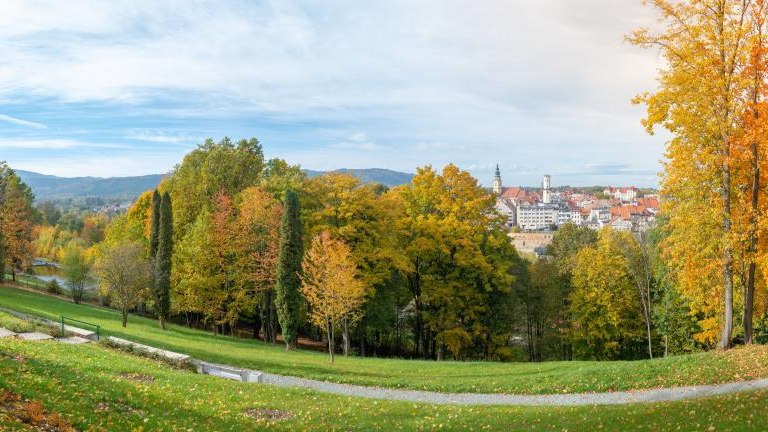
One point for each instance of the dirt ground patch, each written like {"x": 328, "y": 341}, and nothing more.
{"x": 31, "y": 413}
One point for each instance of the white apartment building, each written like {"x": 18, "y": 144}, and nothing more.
{"x": 537, "y": 216}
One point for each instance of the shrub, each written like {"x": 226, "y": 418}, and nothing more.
{"x": 53, "y": 287}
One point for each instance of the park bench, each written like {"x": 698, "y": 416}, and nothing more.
{"x": 229, "y": 372}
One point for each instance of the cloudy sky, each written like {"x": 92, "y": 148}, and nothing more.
{"x": 125, "y": 88}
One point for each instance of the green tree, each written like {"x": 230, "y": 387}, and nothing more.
{"x": 211, "y": 168}
{"x": 75, "y": 267}
{"x": 124, "y": 273}
{"x": 197, "y": 279}
{"x": 163, "y": 260}
{"x": 154, "y": 230}
{"x": 446, "y": 221}
{"x": 288, "y": 297}
{"x": 607, "y": 320}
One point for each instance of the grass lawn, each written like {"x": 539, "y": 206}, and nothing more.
{"x": 95, "y": 388}
{"x": 520, "y": 378}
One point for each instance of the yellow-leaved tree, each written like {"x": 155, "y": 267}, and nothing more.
{"x": 702, "y": 97}
{"x": 331, "y": 286}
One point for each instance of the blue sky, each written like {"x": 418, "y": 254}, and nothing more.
{"x": 127, "y": 88}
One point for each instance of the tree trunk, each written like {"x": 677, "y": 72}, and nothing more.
{"x": 256, "y": 325}
{"x": 162, "y": 322}
{"x": 345, "y": 336}
{"x": 330, "y": 340}
{"x": 749, "y": 298}
{"x": 725, "y": 338}
{"x": 125, "y": 318}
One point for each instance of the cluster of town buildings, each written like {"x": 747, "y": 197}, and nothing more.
{"x": 540, "y": 212}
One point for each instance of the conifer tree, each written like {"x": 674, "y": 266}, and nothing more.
{"x": 154, "y": 225}
{"x": 162, "y": 264}
{"x": 288, "y": 297}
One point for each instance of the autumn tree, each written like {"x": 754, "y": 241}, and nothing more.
{"x": 750, "y": 153}
{"x": 330, "y": 285}
{"x": 636, "y": 252}
{"x": 447, "y": 220}
{"x": 606, "y": 313}
{"x": 288, "y": 284}
{"x": 124, "y": 272}
{"x": 361, "y": 217}
{"x": 16, "y": 220}
{"x": 257, "y": 244}
{"x": 701, "y": 100}
{"x": 197, "y": 279}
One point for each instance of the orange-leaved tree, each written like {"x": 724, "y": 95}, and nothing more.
{"x": 701, "y": 101}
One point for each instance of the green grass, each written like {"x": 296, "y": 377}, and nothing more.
{"x": 519, "y": 378}
{"x": 94, "y": 388}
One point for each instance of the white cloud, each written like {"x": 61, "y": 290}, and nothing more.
{"x": 55, "y": 144}
{"x": 21, "y": 122}
{"x": 535, "y": 84}
{"x": 161, "y": 137}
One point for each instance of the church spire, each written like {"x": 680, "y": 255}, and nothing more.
{"x": 497, "y": 181}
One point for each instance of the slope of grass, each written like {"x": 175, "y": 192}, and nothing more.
{"x": 94, "y": 388}
{"x": 520, "y": 378}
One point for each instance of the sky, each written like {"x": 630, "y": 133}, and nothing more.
{"x": 95, "y": 88}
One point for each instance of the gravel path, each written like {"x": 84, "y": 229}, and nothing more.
{"x": 612, "y": 398}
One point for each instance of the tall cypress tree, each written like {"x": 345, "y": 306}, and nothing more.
{"x": 162, "y": 262}
{"x": 287, "y": 297}
{"x": 154, "y": 226}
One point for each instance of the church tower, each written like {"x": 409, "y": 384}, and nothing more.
{"x": 497, "y": 181}
{"x": 546, "y": 193}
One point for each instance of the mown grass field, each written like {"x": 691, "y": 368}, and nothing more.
{"x": 519, "y": 378}
{"x": 95, "y": 388}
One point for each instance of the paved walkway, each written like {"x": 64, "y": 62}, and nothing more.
{"x": 611, "y": 398}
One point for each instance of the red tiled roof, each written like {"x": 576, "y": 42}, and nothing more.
{"x": 626, "y": 212}
{"x": 649, "y": 202}
{"x": 514, "y": 193}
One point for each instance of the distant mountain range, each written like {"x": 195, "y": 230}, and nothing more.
{"x": 48, "y": 187}
{"x": 372, "y": 175}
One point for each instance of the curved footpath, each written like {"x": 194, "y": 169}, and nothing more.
{"x": 611, "y": 398}
{"x": 430, "y": 397}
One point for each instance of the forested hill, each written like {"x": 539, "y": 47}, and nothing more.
{"x": 48, "y": 187}
{"x": 373, "y": 175}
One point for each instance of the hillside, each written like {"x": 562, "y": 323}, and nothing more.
{"x": 372, "y": 175}
{"x": 49, "y": 187}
